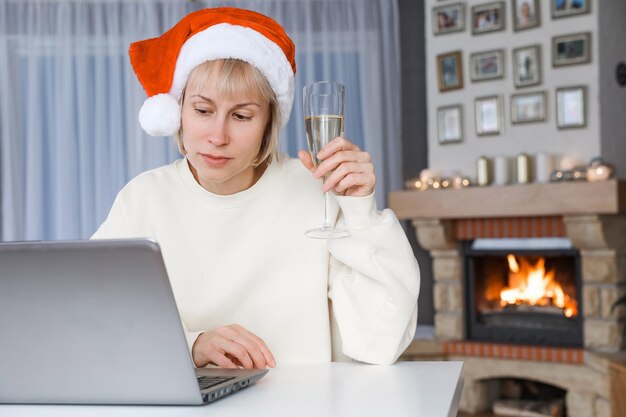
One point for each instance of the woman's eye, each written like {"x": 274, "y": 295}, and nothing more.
{"x": 239, "y": 116}
{"x": 202, "y": 111}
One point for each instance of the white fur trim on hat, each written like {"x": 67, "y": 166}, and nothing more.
{"x": 160, "y": 115}
{"x": 223, "y": 41}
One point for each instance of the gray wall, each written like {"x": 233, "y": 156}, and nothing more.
{"x": 612, "y": 47}
{"x": 414, "y": 124}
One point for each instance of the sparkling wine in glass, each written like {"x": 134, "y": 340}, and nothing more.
{"x": 323, "y": 103}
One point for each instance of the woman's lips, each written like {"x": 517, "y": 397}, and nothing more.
{"x": 215, "y": 160}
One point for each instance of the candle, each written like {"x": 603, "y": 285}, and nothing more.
{"x": 460, "y": 182}
{"x": 523, "y": 168}
{"x": 598, "y": 170}
{"x": 598, "y": 173}
{"x": 500, "y": 170}
{"x": 413, "y": 184}
{"x": 483, "y": 175}
{"x": 557, "y": 175}
{"x": 543, "y": 167}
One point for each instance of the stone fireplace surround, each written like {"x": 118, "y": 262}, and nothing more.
{"x": 593, "y": 217}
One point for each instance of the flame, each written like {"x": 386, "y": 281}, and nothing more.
{"x": 513, "y": 265}
{"x": 531, "y": 284}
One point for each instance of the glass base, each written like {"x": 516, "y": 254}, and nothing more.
{"x": 326, "y": 233}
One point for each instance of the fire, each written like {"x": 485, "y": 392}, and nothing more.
{"x": 531, "y": 284}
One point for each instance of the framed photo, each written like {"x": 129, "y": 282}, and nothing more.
{"x": 565, "y": 8}
{"x": 526, "y": 14}
{"x": 487, "y": 65}
{"x": 450, "y": 71}
{"x": 450, "y": 124}
{"x": 528, "y": 108}
{"x": 571, "y": 49}
{"x": 527, "y": 66}
{"x": 571, "y": 107}
{"x": 488, "y": 17}
{"x": 449, "y": 18}
{"x": 488, "y": 115}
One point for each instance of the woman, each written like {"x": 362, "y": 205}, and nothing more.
{"x": 230, "y": 217}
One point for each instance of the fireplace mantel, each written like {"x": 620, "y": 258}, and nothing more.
{"x": 552, "y": 199}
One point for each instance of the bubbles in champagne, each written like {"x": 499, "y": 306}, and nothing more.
{"x": 320, "y": 130}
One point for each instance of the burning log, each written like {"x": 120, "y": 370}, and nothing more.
{"x": 531, "y": 285}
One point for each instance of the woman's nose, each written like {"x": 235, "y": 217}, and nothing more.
{"x": 219, "y": 133}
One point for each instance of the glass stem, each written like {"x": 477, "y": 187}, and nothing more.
{"x": 327, "y": 224}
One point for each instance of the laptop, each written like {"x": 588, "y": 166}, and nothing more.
{"x": 95, "y": 322}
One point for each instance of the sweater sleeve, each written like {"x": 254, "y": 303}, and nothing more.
{"x": 373, "y": 283}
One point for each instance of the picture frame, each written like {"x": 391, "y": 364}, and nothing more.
{"x": 567, "y": 8}
{"x": 529, "y": 107}
{"x": 571, "y": 49}
{"x": 488, "y": 115}
{"x": 448, "y": 18}
{"x": 450, "y": 71}
{"x": 571, "y": 107}
{"x": 527, "y": 66}
{"x": 487, "y": 65}
{"x": 450, "y": 124}
{"x": 526, "y": 14}
{"x": 488, "y": 17}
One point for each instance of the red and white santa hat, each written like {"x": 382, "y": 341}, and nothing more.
{"x": 163, "y": 64}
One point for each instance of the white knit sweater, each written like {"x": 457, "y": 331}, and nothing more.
{"x": 244, "y": 259}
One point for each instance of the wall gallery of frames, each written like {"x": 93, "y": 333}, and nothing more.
{"x": 521, "y": 76}
{"x": 488, "y": 19}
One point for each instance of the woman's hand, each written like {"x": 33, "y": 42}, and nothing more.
{"x": 232, "y": 346}
{"x": 350, "y": 169}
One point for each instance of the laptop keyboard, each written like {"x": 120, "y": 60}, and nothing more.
{"x": 211, "y": 381}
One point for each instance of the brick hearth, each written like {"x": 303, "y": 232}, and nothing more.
{"x": 505, "y": 351}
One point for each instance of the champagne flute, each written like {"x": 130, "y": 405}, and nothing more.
{"x": 323, "y": 103}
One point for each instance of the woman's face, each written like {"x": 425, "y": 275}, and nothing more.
{"x": 222, "y": 136}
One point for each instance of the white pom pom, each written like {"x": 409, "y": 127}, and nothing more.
{"x": 160, "y": 115}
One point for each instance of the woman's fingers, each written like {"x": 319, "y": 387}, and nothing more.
{"x": 255, "y": 347}
{"x": 351, "y": 178}
{"x": 348, "y": 170}
{"x": 334, "y": 161}
{"x": 264, "y": 350}
{"x": 230, "y": 347}
{"x": 236, "y": 348}
{"x": 348, "y": 173}
{"x": 336, "y": 145}
{"x": 350, "y": 183}
{"x": 224, "y": 352}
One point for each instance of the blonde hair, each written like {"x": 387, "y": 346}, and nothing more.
{"x": 236, "y": 77}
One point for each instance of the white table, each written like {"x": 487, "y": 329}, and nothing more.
{"x": 416, "y": 389}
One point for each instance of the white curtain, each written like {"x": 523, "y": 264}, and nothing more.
{"x": 69, "y": 135}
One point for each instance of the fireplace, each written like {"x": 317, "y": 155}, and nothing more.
{"x": 523, "y": 296}
{"x": 592, "y": 273}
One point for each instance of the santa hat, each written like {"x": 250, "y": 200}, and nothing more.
{"x": 163, "y": 64}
